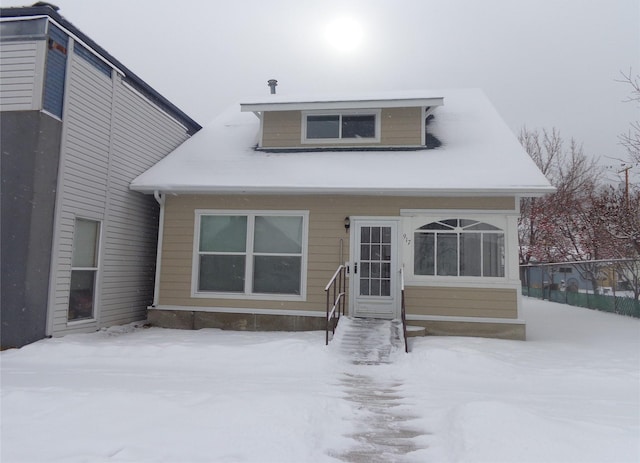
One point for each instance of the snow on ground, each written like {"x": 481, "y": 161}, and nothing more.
{"x": 571, "y": 393}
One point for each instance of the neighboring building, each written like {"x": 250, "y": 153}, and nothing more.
{"x": 260, "y": 208}
{"x": 78, "y": 246}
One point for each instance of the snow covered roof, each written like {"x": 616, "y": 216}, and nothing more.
{"x": 479, "y": 155}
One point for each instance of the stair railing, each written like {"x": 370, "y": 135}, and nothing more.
{"x": 403, "y": 310}
{"x": 335, "y": 291}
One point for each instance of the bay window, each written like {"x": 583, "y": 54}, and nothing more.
{"x": 245, "y": 254}
{"x": 459, "y": 247}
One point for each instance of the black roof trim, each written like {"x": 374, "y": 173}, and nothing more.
{"x": 46, "y": 10}
{"x": 334, "y": 148}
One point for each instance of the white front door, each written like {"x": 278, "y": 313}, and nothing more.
{"x": 374, "y": 272}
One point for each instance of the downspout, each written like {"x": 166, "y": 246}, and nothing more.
{"x": 160, "y": 198}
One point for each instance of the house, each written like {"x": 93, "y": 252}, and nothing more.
{"x": 78, "y": 246}
{"x": 260, "y": 208}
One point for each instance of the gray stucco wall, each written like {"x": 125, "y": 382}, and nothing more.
{"x": 30, "y": 142}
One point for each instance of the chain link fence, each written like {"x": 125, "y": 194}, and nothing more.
{"x": 606, "y": 285}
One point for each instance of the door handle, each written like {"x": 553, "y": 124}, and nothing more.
{"x": 355, "y": 268}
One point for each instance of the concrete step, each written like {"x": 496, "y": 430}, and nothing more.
{"x": 415, "y": 331}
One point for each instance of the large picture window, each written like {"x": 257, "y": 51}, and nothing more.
{"x": 459, "y": 247}
{"x": 251, "y": 253}
{"x": 338, "y": 127}
{"x": 84, "y": 269}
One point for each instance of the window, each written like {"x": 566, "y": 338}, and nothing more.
{"x": 338, "y": 127}
{"x": 22, "y": 29}
{"x": 459, "y": 247}
{"x": 250, "y": 253}
{"x": 84, "y": 268}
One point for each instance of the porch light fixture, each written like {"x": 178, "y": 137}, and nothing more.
{"x": 347, "y": 224}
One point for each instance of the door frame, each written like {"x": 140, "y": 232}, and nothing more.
{"x": 396, "y": 260}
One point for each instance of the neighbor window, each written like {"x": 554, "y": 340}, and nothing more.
{"x": 84, "y": 269}
{"x": 259, "y": 253}
{"x": 348, "y": 127}
{"x": 459, "y": 247}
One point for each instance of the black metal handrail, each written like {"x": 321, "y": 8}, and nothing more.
{"x": 335, "y": 291}
{"x": 403, "y": 311}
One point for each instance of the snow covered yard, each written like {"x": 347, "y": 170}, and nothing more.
{"x": 570, "y": 393}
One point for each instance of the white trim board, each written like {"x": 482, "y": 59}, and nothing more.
{"x": 241, "y": 310}
{"x": 444, "y": 318}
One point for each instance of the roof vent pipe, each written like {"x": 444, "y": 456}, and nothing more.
{"x": 273, "y": 83}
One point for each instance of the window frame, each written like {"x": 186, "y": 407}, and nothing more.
{"x": 249, "y": 255}
{"x": 95, "y": 269}
{"x": 414, "y": 222}
{"x": 341, "y": 113}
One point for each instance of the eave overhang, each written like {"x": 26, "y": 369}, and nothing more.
{"x": 283, "y": 190}
{"x": 330, "y": 104}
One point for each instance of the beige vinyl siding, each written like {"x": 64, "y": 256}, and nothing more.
{"x": 111, "y": 135}
{"x": 326, "y": 230}
{"x": 401, "y": 126}
{"x": 281, "y": 129}
{"x": 21, "y": 75}
{"x": 398, "y": 126}
{"x": 462, "y": 302}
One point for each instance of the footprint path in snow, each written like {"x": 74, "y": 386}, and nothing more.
{"x": 383, "y": 430}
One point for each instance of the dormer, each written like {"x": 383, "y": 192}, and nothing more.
{"x": 382, "y": 122}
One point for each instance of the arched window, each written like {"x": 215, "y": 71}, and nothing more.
{"x": 459, "y": 247}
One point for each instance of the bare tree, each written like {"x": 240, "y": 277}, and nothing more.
{"x": 631, "y": 139}
{"x": 548, "y": 226}
{"x": 618, "y": 213}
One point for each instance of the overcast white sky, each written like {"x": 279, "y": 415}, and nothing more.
{"x": 543, "y": 63}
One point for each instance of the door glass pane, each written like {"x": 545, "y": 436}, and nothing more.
{"x": 470, "y": 264}
{"x": 375, "y": 270}
{"x": 364, "y": 269}
{"x": 81, "y": 294}
{"x": 223, "y": 233}
{"x": 386, "y": 234}
{"x": 375, "y": 234}
{"x": 447, "y": 254}
{"x": 278, "y": 234}
{"x": 423, "y": 254}
{"x": 221, "y": 273}
{"x": 385, "y": 270}
{"x": 385, "y": 288}
{"x": 375, "y": 252}
{"x": 375, "y": 287}
{"x": 364, "y": 287}
{"x": 365, "y": 253}
{"x": 276, "y": 274}
{"x": 323, "y": 126}
{"x": 365, "y": 235}
{"x": 85, "y": 243}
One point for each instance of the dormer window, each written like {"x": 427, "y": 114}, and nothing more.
{"x": 341, "y": 127}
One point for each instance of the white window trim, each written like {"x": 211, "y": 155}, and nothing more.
{"x": 195, "y": 293}
{"x": 344, "y": 112}
{"x": 96, "y": 269}
{"x": 414, "y": 221}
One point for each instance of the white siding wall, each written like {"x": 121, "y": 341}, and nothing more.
{"x": 111, "y": 134}
{"x": 21, "y": 74}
